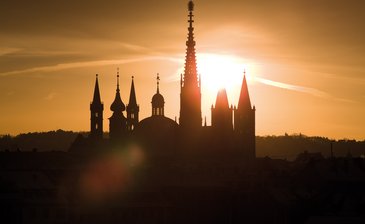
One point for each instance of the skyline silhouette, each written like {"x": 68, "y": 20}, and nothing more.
{"x": 296, "y": 61}
{"x": 187, "y": 168}
{"x": 232, "y": 127}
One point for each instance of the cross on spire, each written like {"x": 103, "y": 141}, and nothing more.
{"x": 118, "y": 78}
{"x": 158, "y": 83}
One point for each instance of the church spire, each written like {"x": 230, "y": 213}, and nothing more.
{"x": 222, "y": 99}
{"x": 190, "y": 91}
{"x": 221, "y": 113}
{"x": 190, "y": 72}
{"x": 158, "y": 83}
{"x": 96, "y": 114}
{"x": 117, "y": 105}
{"x": 244, "y": 100}
{"x": 132, "y": 95}
{"x": 117, "y": 122}
{"x": 132, "y": 109}
{"x": 244, "y": 122}
{"x": 158, "y": 101}
{"x": 96, "y": 98}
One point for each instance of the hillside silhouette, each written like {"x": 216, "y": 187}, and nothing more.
{"x": 276, "y": 147}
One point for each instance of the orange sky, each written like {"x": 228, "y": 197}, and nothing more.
{"x": 305, "y": 60}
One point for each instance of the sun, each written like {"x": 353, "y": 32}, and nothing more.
{"x": 220, "y": 71}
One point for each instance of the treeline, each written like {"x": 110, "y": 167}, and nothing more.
{"x": 289, "y": 146}
{"x": 38, "y": 141}
{"x": 281, "y": 147}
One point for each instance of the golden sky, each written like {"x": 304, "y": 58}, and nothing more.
{"x": 305, "y": 60}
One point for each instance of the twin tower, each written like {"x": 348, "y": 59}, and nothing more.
{"x": 232, "y": 127}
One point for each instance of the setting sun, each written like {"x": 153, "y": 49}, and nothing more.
{"x": 220, "y": 71}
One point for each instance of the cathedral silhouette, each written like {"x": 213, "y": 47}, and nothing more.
{"x": 232, "y": 128}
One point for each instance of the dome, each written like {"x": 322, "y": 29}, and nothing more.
{"x": 117, "y": 104}
{"x": 158, "y": 100}
{"x": 157, "y": 123}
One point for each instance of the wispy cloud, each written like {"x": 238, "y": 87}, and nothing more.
{"x": 64, "y": 66}
{"x": 312, "y": 91}
{"x": 302, "y": 89}
{"x": 8, "y": 50}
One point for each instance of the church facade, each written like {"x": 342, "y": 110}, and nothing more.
{"x": 232, "y": 128}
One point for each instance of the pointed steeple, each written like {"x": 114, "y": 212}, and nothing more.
{"x": 132, "y": 109}
{"x": 221, "y": 113}
{"x": 132, "y": 95}
{"x": 96, "y": 114}
{"x": 96, "y": 98}
{"x": 117, "y": 105}
{"x": 244, "y": 123}
{"x": 222, "y": 99}
{"x": 244, "y": 100}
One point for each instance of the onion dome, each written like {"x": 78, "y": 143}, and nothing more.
{"x": 117, "y": 104}
{"x": 157, "y": 100}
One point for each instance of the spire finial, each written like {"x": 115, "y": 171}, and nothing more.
{"x": 191, "y": 9}
{"x": 158, "y": 83}
{"x": 191, "y": 6}
{"x": 118, "y": 78}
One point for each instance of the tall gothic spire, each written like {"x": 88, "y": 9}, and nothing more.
{"x": 190, "y": 95}
{"x": 190, "y": 73}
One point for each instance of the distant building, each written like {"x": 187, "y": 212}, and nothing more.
{"x": 233, "y": 128}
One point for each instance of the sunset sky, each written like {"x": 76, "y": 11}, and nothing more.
{"x": 305, "y": 60}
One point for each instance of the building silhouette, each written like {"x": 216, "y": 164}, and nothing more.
{"x": 132, "y": 109}
{"x": 190, "y": 84}
{"x": 117, "y": 122}
{"x": 160, "y": 171}
{"x": 233, "y": 128}
{"x": 96, "y": 114}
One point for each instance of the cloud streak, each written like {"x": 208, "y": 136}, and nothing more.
{"x": 5, "y": 51}
{"x": 308, "y": 90}
{"x": 64, "y": 66}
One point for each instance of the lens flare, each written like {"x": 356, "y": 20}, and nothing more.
{"x": 112, "y": 174}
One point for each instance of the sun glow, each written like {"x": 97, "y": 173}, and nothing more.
{"x": 220, "y": 71}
